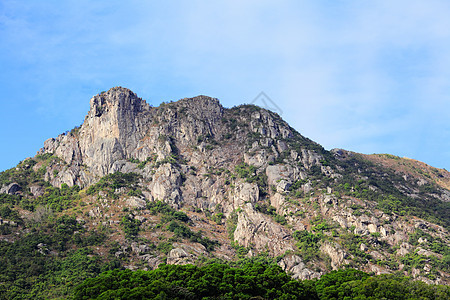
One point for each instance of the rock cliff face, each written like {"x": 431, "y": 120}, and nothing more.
{"x": 120, "y": 126}
{"x": 248, "y": 180}
{"x": 111, "y": 132}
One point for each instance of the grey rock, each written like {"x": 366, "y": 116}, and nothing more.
{"x": 262, "y": 232}
{"x": 341, "y": 220}
{"x": 372, "y": 228}
{"x": 363, "y": 247}
{"x": 276, "y": 173}
{"x": 405, "y": 248}
{"x": 336, "y": 253}
{"x": 283, "y": 186}
{"x": 421, "y": 240}
{"x": 421, "y": 251}
{"x": 153, "y": 261}
{"x": 37, "y": 190}
{"x": 95, "y": 212}
{"x": 142, "y": 219}
{"x": 245, "y": 193}
{"x": 185, "y": 145}
{"x": 377, "y": 255}
{"x": 178, "y": 256}
{"x": 42, "y": 248}
{"x": 293, "y": 264}
{"x": 11, "y": 189}
{"x": 136, "y": 203}
{"x": 139, "y": 249}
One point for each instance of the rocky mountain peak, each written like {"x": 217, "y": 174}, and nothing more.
{"x": 123, "y": 99}
{"x": 246, "y": 179}
{"x": 202, "y": 101}
{"x": 201, "y": 108}
{"x": 121, "y": 126}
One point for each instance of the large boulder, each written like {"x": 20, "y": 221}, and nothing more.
{"x": 11, "y": 189}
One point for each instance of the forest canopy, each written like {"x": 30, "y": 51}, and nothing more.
{"x": 252, "y": 281}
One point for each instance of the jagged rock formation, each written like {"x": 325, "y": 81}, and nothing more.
{"x": 270, "y": 184}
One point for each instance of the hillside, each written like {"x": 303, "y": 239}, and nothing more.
{"x": 194, "y": 182}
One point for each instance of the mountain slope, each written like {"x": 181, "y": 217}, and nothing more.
{"x": 192, "y": 181}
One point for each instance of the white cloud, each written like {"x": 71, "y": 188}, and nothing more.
{"x": 360, "y": 75}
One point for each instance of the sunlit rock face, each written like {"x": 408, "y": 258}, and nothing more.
{"x": 257, "y": 181}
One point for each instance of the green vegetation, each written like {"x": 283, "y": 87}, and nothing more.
{"x": 217, "y": 218}
{"x": 280, "y": 219}
{"x": 320, "y": 225}
{"x": 167, "y": 212}
{"x": 241, "y": 251}
{"x": 142, "y": 164}
{"x": 130, "y": 226}
{"x": 47, "y": 257}
{"x": 231, "y": 123}
{"x": 365, "y": 180}
{"x": 57, "y": 199}
{"x": 266, "y": 209}
{"x": 353, "y": 242}
{"x": 192, "y": 282}
{"x": 23, "y": 174}
{"x": 114, "y": 181}
{"x": 436, "y": 245}
{"x": 180, "y": 230}
{"x": 209, "y": 139}
{"x": 299, "y": 143}
{"x": 271, "y": 211}
{"x": 164, "y": 247}
{"x": 308, "y": 243}
{"x": 415, "y": 260}
{"x": 231, "y": 224}
{"x": 134, "y": 160}
{"x": 329, "y": 285}
{"x": 183, "y": 231}
{"x": 47, "y": 249}
{"x": 172, "y": 159}
{"x": 7, "y": 212}
{"x": 250, "y": 175}
{"x": 251, "y": 281}
{"x": 75, "y": 131}
{"x": 353, "y": 284}
{"x": 297, "y": 184}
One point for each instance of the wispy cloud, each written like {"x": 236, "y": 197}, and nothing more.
{"x": 366, "y": 76}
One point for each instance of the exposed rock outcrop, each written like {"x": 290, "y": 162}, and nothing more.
{"x": 257, "y": 230}
{"x": 11, "y": 189}
{"x": 242, "y": 173}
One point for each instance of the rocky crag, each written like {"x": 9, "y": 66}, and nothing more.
{"x": 241, "y": 183}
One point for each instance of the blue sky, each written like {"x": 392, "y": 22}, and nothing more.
{"x": 367, "y": 76}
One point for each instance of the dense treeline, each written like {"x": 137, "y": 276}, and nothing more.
{"x": 192, "y": 282}
{"x": 253, "y": 281}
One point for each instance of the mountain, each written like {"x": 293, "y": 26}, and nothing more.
{"x": 194, "y": 182}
